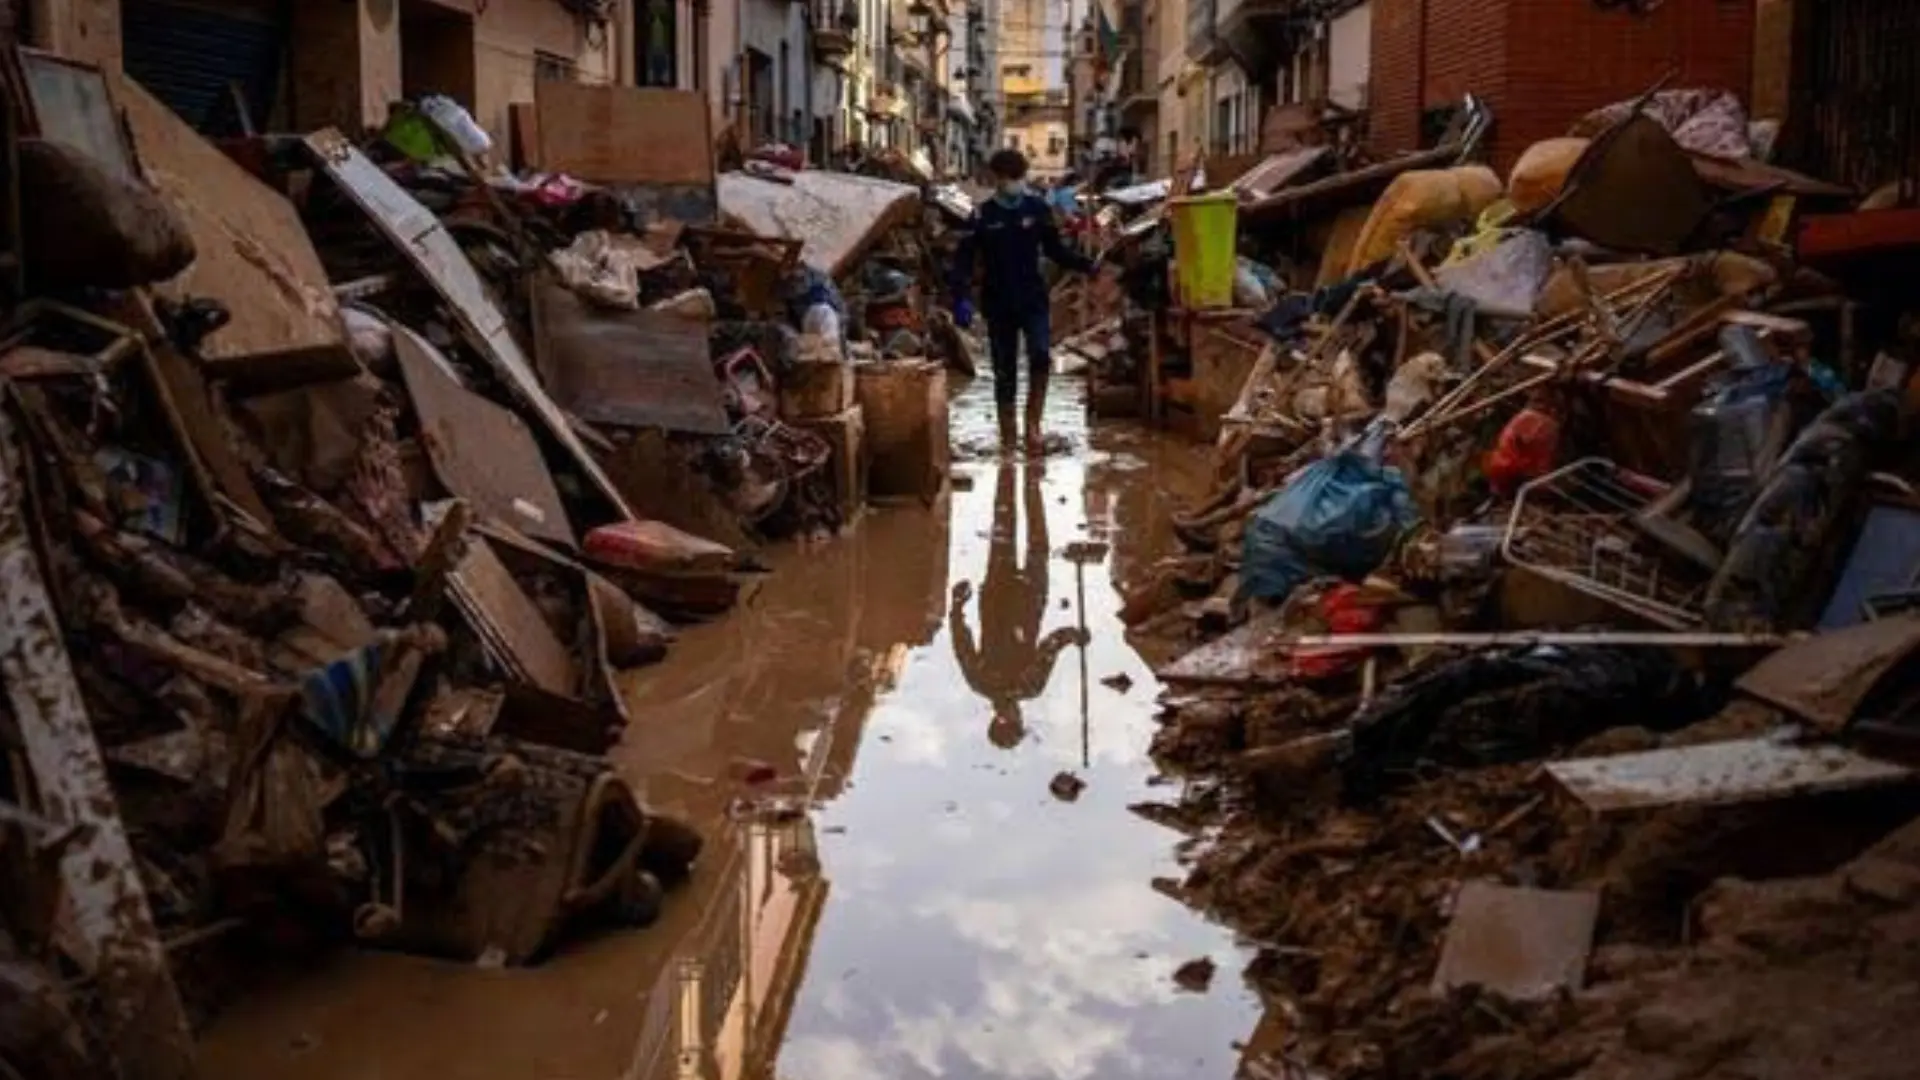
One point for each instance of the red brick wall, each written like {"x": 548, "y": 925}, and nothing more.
{"x": 1393, "y": 93}
{"x": 1568, "y": 57}
{"x": 1465, "y": 44}
{"x": 1541, "y": 64}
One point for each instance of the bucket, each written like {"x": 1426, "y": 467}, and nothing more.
{"x": 1204, "y": 228}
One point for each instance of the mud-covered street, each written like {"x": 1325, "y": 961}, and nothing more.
{"x": 932, "y": 908}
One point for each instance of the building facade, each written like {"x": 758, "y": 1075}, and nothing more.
{"x": 309, "y": 65}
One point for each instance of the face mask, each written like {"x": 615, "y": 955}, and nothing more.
{"x": 1012, "y": 189}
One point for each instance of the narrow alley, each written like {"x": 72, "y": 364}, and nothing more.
{"x": 938, "y": 911}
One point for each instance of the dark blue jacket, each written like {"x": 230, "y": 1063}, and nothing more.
{"x": 1008, "y": 242}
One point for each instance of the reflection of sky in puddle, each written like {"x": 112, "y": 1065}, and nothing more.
{"x": 979, "y": 927}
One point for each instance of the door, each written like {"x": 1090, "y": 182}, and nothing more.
{"x": 208, "y": 62}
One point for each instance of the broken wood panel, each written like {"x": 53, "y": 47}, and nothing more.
{"x": 838, "y": 216}
{"x": 1825, "y": 678}
{"x": 624, "y": 134}
{"x": 252, "y": 254}
{"x": 1720, "y": 774}
{"x": 145, "y": 1023}
{"x": 636, "y": 369}
{"x": 508, "y": 622}
{"x": 480, "y": 452}
{"x": 420, "y": 236}
{"x": 189, "y": 404}
{"x": 661, "y": 482}
{"x": 1524, "y": 944}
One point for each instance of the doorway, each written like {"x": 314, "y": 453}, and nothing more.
{"x": 436, "y": 52}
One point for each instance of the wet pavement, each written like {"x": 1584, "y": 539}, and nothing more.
{"x": 941, "y": 912}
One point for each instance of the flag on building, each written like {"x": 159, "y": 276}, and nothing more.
{"x": 1106, "y": 40}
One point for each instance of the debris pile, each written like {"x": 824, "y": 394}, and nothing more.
{"x": 1492, "y": 636}
{"x": 338, "y": 484}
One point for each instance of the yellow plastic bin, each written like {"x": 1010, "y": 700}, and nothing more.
{"x": 1204, "y": 252}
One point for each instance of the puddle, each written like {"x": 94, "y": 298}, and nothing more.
{"x": 942, "y": 913}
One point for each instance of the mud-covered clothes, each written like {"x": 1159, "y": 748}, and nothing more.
{"x": 1006, "y": 240}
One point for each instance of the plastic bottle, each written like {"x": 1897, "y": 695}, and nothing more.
{"x": 458, "y": 124}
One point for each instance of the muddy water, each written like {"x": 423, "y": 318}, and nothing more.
{"x": 940, "y": 912}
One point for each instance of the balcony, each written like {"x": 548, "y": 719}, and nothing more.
{"x": 832, "y": 45}
{"x": 834, "y": 27}
{"x": 1258, "y": 33}
{"x": 1203, "y": 44}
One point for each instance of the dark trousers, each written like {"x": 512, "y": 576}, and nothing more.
{"x": 1003, "y": 343}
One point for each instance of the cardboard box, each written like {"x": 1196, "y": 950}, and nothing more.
{"x": 905, "y": 402}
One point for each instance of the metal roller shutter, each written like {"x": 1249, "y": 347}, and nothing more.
{"x": 190, "y": 55}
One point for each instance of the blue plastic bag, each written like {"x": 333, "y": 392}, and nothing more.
{"x": 1341, "y": 517}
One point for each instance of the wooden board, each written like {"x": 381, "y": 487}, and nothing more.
{"x": 509, "y": 624}
{"x": 253, "y": 255}
{"x": 838, "y": 216}
{"x": 481, "y": 452}
{"x": 1824, "y": 679}
{"x": 1720, "y": 774}
{"x": 624, "y": 134}
{"x": 1524, "y": 944}
{"x": 631, "y": 369}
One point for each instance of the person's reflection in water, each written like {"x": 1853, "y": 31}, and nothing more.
{"x": 1010, "y": 663}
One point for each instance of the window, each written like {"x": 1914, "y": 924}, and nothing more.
{"x": 656, "y": 43}
{"x": 552, "y": 67}
{"x": 1173, "y": 151}
{"x": 1055, "y": 144}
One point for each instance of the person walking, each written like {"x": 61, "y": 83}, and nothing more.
{"x": 1006, "y": 239}
{"x": 1011, "y": 661}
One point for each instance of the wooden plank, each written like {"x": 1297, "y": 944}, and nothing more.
{"x": 1720, "y": 774}
{"x": 624, "y": 134}
{"x": 253, "y": 255}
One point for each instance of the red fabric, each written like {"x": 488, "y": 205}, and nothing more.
{"x": 1344, "y": 612}
{"x": 1527, "y": 448}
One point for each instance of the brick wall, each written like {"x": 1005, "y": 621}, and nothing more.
{"x": 1464, "y": 46}
{"x": 1541, "y": 64}
{"x": 1393, "y": 91}
{"x": 1568, "y": 57}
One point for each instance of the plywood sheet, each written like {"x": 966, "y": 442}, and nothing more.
{"x": 1716, "y": 774}
{"x": 1824, "y": 679}
{"x": 836, "y": 216}
{"x": 1524, "y": 944}
{"x": 253, "y": 256}
{"x": 624, "y": 134}
{"x": 633, "y": 369}
{"x": 480, "y": 451}
{"x": 432, "y": 250}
